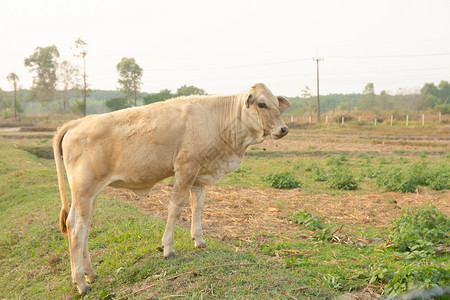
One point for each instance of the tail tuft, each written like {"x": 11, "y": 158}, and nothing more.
{"x": 62, "y": 221}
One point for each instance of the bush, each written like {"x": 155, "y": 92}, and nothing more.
{"x": 438, "y": 177}
{"x": 407, "y": 179}
{"x": 283, "y": 180}
{"x": 341, "y": 178}
{"x": 419, "y": 228}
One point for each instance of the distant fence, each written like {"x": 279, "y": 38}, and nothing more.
{"x": 339, "y": 118}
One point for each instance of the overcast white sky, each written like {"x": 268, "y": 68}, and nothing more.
{"x": 226, "y": 46}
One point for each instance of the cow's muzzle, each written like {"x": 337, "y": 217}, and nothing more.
{"x": 281, "y": 132}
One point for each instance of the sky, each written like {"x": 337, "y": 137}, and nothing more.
{"x": 224, "y": 47}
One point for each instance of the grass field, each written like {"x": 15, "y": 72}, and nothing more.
{"x": 256, "y": 247}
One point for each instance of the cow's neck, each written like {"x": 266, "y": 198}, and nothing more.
{"x": 233, "y": 134}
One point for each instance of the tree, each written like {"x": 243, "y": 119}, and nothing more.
{"x": 80, "y": 51}
{"x": 383, "y": 101}
{"x": 306, "y": 94}
{"x": 367, "y": 100}
{"x": 190, "y": 90}
{"x": 444, "y": 91}
{"x": 117, "y": 103}
{"x": 68, "y": 77}
{"x": 161, "y": 96}
{"x": 12, "y": 77}
{"x": 43, "y": 62}
{"x": 130, "y": 77}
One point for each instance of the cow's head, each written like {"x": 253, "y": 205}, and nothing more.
{"x": 261, "y": 112}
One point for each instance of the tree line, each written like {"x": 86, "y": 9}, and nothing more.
{"x": 57, "y": 82}
{"x": 430, "y": 96}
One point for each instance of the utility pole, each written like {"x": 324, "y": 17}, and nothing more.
{"x": 317, "y": 59}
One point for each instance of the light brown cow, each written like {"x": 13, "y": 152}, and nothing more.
{"x": 196, "y": 139}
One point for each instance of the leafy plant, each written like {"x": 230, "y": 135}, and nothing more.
{"x": 414, "y": 276}
{"x": 320, "y": 174}
{"x": 336, "y": 160}
{"x": 332, "y": 281}
{"x": 283, "y": 180}
{"x": 419, "y": 228}
{"x": 341, "y": 178}
{"x": 407, "y": 179}
{"x": 438, "y": 177}
{"x": 306, "y": 219}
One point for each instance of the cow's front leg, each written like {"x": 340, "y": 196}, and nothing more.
{"x": 198, "y": 199}
{"x": 180, "y": 194}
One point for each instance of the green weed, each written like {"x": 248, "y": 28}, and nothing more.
{"x": 341, "y": 178}
{"x": 306, "y": 219}
{"x": 283, "y": 180}
{"x": 419, "y": 228}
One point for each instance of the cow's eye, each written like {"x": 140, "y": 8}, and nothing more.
{"x": 262, "y": 105}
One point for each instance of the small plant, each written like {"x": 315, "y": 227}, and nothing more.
{"x": 283, "y": 180}
{"x": 419, "y": 228}
{"x": 306, "y": 219}
{"x": 242, "y": 170}
{"x": 332, "y": 281}
{"x": 407, "y": 179}
{"x": 341, "y": 178}
{"x": 311, "y": 167}
{"x": 414, "y": 276}
{"x": 320, "y": 174}
{"x": 438, "y": 177}
{"x": 292, "y": 262}
{"x": 380, "y": 273}
{"x": 336, "y": 160}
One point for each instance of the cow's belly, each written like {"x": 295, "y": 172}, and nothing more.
{"x": 215, "y": 170}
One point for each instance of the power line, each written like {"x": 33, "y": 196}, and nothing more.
{"x": 390, "y": 56}
{"x": 299, "y": 60}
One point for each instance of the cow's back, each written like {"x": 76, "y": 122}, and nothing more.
{"x": 133, "y": 147}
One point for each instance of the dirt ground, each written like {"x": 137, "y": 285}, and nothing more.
{"x": 241, "y": 213}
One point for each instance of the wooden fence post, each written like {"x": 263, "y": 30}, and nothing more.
{"x": 392, "y": 119}
{"x": 342, "y": 120}
{"x": 375, "y": 122}
{"x": 407, "y": 120}
{"x": 440, "y": 117}
{"x": 326, "y": 119}
{"x": 292, "y": 119}
{"x": 423, "y": 119}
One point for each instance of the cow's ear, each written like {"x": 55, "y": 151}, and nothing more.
{"x": 283, "y": 102}
{"x": 249, "y": 100}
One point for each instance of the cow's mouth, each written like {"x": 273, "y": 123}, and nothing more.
{"x": 277, "y": 136}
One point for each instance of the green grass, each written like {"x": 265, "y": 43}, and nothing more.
{"x": 34, "y": 260}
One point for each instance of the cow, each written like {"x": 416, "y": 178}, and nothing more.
{"x": 195, "y": 139}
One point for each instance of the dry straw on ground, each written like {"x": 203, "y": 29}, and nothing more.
{"x": 244, "y": 213}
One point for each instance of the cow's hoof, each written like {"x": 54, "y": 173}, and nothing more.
{"x": 83, "y": 288}
{"x": 169, "y": 255}
{"x": 201, "y": 246}
{"x": 90, "y": 277}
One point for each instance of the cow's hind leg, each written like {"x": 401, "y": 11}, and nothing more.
{"x": 88, "y": 270}
{"x": 198, "y": 199}
{"x": 77, "y": 225}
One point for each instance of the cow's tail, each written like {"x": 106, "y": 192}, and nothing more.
{"x": 57, "y": 151}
